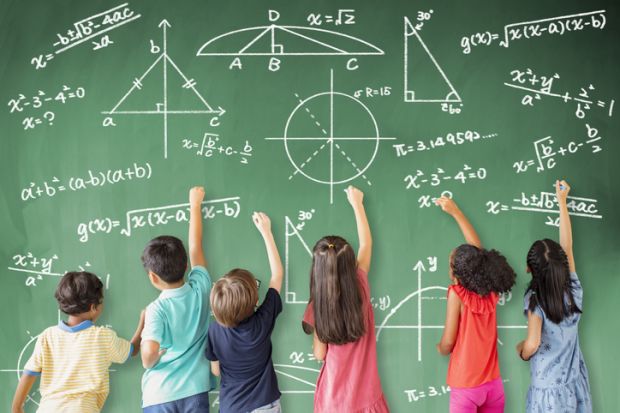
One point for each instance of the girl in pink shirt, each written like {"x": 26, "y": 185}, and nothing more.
{"x": 341, "y": 319}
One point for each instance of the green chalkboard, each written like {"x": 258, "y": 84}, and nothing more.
{"x": 113, "y": 110}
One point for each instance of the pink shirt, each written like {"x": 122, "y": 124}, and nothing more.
{"x": 349, "y": 379}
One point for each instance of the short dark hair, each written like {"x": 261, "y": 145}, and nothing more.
{"x": 482, "y": 271}
{"x": 234, "y": 297}
{"x": 166, "y": 257}
{"x": 77, "y": 291}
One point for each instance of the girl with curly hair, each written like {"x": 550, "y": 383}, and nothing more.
{"x": 552, "y": 305}
{"x": 470, "y": 334}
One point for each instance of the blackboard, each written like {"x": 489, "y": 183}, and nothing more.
{"x": 114, "y": 110}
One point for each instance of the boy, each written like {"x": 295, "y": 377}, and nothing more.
{"x": 73, "y": 357}
{"x": 239, "y": 344}
{"x": 177, "y": 376}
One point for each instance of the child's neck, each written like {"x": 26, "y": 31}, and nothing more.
{"x": 172, "y": 286}
{"x": 74, "y": 320}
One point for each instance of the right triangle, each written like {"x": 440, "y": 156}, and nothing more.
{"x": 425, "y": 80}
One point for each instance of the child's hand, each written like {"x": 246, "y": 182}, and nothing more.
{"x": 262, "y": 222}
{"x": 355, "y": 196}
{"x": 520, "y": 347}
{"x": 561, "y": 191}
{"x": 196, "y": 195}
{"x": 447, "y": 205}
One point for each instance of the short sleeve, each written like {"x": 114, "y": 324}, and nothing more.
{"x": 526, "y": 306}
{"x": 269, "y": 310}
{"x": 120, "y": 349}
{"x": 34, "y": 365}
{"x": 307, "y": 322}
{"x": 153, "y": 325}
{"x": 199, "y": 276}
{"x": 576, "y": 289}
{"x": 210, "y": 350}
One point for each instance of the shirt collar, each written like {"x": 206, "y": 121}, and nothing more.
{"x": 175, "y": 292}
{"x": 79, "y": 327}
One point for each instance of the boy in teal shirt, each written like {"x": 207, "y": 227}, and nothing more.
{"x": 177, "y": 376}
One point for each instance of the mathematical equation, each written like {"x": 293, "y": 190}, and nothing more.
{"x": 547, "y": 152}
{"x": 536, "y": 28}
{"x": 159, "y": 216}
{"x": 415, "y": 395}
{"x": 369, "y": 92}
{"x": 455, "y": 139}
{"x": 583, "y": 101}
{"x": 210, "y": 146}
{"x": 42, "y": 100}
{"x": 87, "y": 29}
{"x": 381, "y": 303}
{"x": 37, "y": 267}
{"x": 420, "y": 179}
{"x": 299, "y": 357}
{"x": 92, "y": 180}
{"x": 546, "y": 202}
{"x": 428, "y": 201}
{"x": 342, "y": 16}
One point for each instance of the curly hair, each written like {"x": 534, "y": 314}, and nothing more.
{"x": 77, "y": 291}
{"x": 551, "y": 281}
{"x": 482, "y": 271}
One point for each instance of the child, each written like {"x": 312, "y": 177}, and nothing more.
{"x": 177, "y": 377}
{"x": 470, "y": 333}
{"x": 552, "y": 304}
{"x": 73, "y": 357}
{"x": 239, "y": 344}
{"x": 340, "y": 317}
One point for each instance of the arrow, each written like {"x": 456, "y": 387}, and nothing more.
{"x": 163, "y": 24}
{"x": 220, "y": 110}
{"x": 419, "y": 267}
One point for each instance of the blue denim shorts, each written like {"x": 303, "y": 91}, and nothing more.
{"x": 198, "y": 403}
{"x": 274, "y": 407}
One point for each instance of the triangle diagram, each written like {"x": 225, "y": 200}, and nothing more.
{"x": 425, "y": 80}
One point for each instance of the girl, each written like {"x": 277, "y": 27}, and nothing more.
{"x": 340, "y": 317}
{"x": 552, "y": 305}
{"x": 470, "y": 333}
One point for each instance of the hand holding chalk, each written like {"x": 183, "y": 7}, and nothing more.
{"x": 354, "y": 195}
{"x": 447, "y": 205}
{"x": 561, "y": 191}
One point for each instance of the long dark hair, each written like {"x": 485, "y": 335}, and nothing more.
{"x": 335, "y": 292}
{"x": 482, "y": 271}
{"x": 550, "y": 280}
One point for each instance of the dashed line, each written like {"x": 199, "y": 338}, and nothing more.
{"x": 316, "y": 122}
{"x": 352, "y": 163}
{"x": 489, "y": 136}
{"x": 308, "y": 160}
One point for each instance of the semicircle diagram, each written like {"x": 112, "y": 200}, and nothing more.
{"x": 280, "y": 40}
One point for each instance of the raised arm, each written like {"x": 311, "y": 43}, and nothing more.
{"x": 263, "y": 224}
{"x": 196, "y": 254}
{"x": 450, "y": 207}
{"x": 566, "y": 233}
{"x": 356, "y": 199}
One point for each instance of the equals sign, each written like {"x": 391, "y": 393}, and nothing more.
{"x": 504, "y": 208}
{"x": 71, "y": 95}
{"x": 472, "y": 175}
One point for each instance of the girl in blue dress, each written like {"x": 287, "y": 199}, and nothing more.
{"x": 553, "y": 304}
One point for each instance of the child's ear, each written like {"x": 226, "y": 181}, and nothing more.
{"x": 154, "y": 278}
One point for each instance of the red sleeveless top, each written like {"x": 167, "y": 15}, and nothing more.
{"x": 474, "y": 357}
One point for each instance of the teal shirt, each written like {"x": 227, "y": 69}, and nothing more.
{"x": 178, "y": 320}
